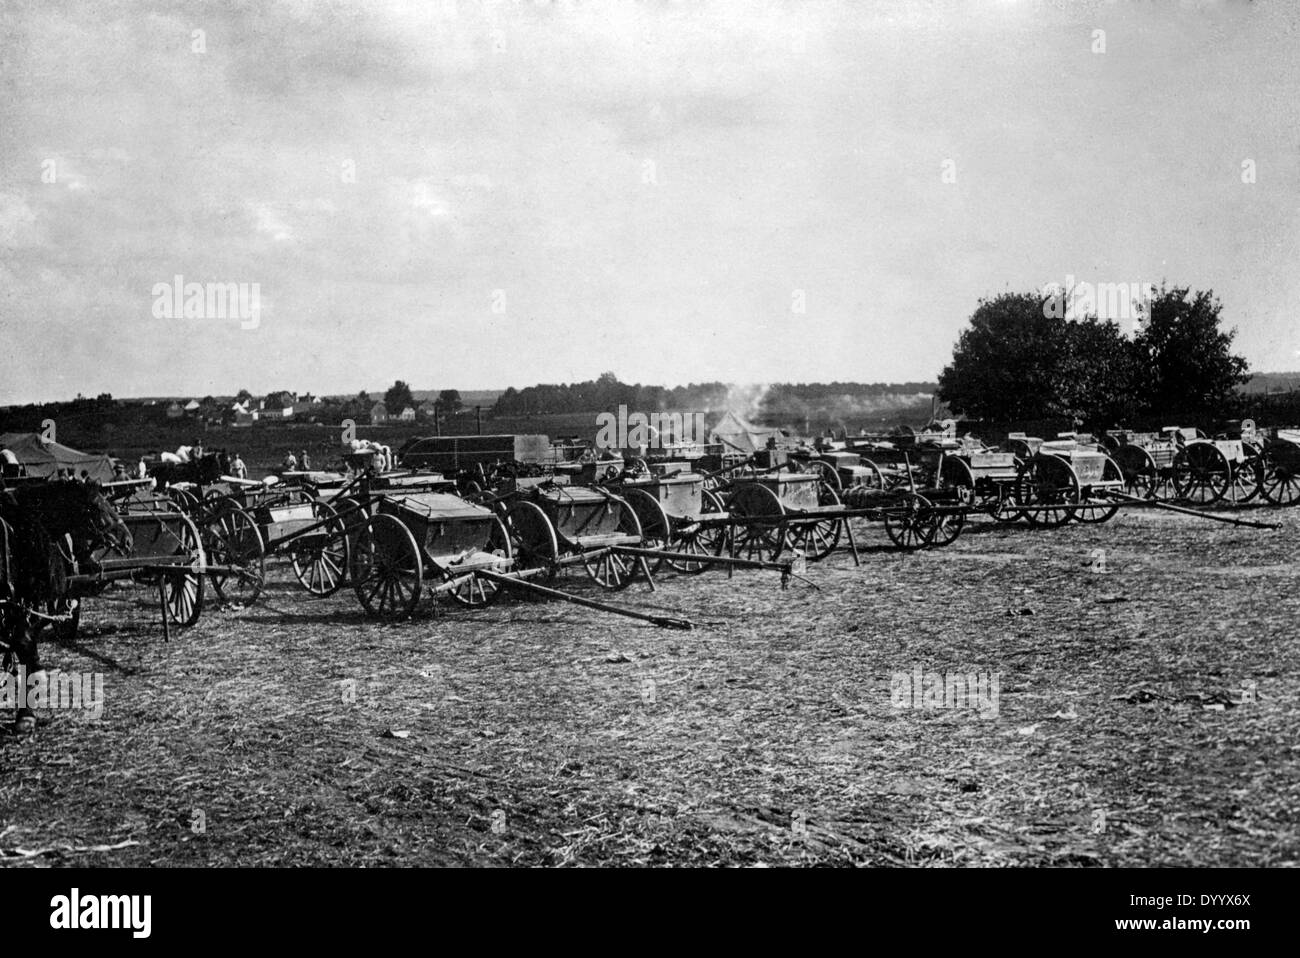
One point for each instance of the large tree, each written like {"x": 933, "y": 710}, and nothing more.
{"x": 1187, "y": 361}
{"x": 397, "y": 398}
{"x": 1002, "y": 367}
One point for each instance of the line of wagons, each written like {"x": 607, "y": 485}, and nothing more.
{"x": 495, "y": 516}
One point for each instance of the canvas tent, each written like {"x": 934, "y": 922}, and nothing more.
{"x": 737, "y": 435}
{"x": 40, "y": 457}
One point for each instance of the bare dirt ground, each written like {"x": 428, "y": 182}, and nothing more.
{"x": 1147, "y": 715}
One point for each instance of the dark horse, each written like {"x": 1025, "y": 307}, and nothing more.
{"x": 48, "y": 531}
{"x": 204, "y": 471}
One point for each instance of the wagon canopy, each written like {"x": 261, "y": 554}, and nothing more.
{"x": 42, "y": 457}
{"x": 739, "y": 435}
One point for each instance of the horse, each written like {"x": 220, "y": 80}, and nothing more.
{"x": 205, "y": 470}
{"x": 48, "y": 530}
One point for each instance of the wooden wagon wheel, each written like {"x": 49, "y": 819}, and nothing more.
{"x": 612, "y": 570}
{"x": 532, "y": 539}
{"x": 910, "y": 523}
{"x": 1247, "y": 475}
{"x": 321, "y": 559}
{"x": 185, "y": 500}
{"x": 182, "y": 591}
{"x": 945, "y": 526}
{"x": 386, "y": 569}
{"x": 1097, "y": 514}
{"x": 1201, "y": 473}
{"x": 825, "y": 472}
{"x": 818, "y": 539}
{"x": 704, "y": 538}
{"x": 1281, "y": 473}
{"x": 1141, "y": 474}
{"x": 1046, "y": 491}
{"x": 476, "y": 591}
{"x": 956, "y": 474}
{"x": 877, "y": 479}
{"x": 231, "y": 538}
{"x": 656, "y": 527}
{"x": 762, "y": 530}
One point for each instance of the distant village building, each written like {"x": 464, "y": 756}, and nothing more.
{"x": 378, "y": 413}
{"x": 407, "y": 415}
{"x": 175, "y": 411}
{"x": 193, "y": 406}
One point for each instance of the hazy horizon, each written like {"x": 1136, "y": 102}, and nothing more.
{"x": 513, "y": 193}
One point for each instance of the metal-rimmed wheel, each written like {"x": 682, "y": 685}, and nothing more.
{"x": 183, "y": 589}
{"x": 656, "y": 527}
{"x": 1046, "y": 491}
{"x": 1202, "y": 473}
{"x": 320, "y": 558}
{"x": 817, "y": 538}
{"x": 1280, "y": 484}
{"x": 761, "y": 526}
{"x": 947, "y": 520}
{"x": 532, "y": 539}
{"x": 706, "y": 536}
{"x": 909, "y": 523}
{"x": 875, "y": 479}
{"x": 956, "y": 476}
{"x": 1141, "y": 474}
{"x": 1247, "y": 474}
{"x": 476, "y": 592}
{"x": 231, "y": 539}
{"x": 184, "y": 500}
{"x": 387, "y": 570}
{"x": 1111, "y": 477}
{"x": 825, "y": 472}
{"x": 609, "y": 569}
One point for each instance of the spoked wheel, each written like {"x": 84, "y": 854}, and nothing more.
{"x": 956, "y": 476}
{"x": 1247, "y": 475}
{"x": 1202, "y": 473}
{"x": 613, "y": 570}
{"x": 1112, "y": 475}
{"x": 185, "y": 500}
{"x": 231, "y": 538}
{"x": 1142, "y": 477}
{"x": 477, "y": 592}
{"x": 703, "y": 538}
{"x": 818, "y": 539}
{"x": 533, "y": 540}
{"x": 874, "y": 478}
{"x": 762, "y": 530}
{"x": 825, "y": 472}
{"x": 1003, "y": 509}
{"x": 945, "y": 525}
{"x": 656, "y": 527}
{"x": 910, "y": 523}
{"x": 1046, "y": 491}
{"x": 320, "y": 558}
{"x": 1281, "y": 473}
{"x": 386, "y": 568}
{"x": 183, "y": 589}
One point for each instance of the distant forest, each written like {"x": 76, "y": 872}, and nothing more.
{"x": 608, "y": 392}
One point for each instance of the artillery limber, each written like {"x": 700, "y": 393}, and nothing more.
{"x": 1280, "y": 467}
{"x": 1184, "y": 464}
{"x": 439, "y": 543}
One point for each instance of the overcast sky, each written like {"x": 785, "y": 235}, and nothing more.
{"x": 478, "y": 195}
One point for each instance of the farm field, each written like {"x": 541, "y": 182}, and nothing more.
{"x": 1148, "y": 673}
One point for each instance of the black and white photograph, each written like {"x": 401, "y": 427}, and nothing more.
{"x": 650, "y": 434}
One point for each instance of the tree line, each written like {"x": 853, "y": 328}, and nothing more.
{"x": 1023, "y": 358}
